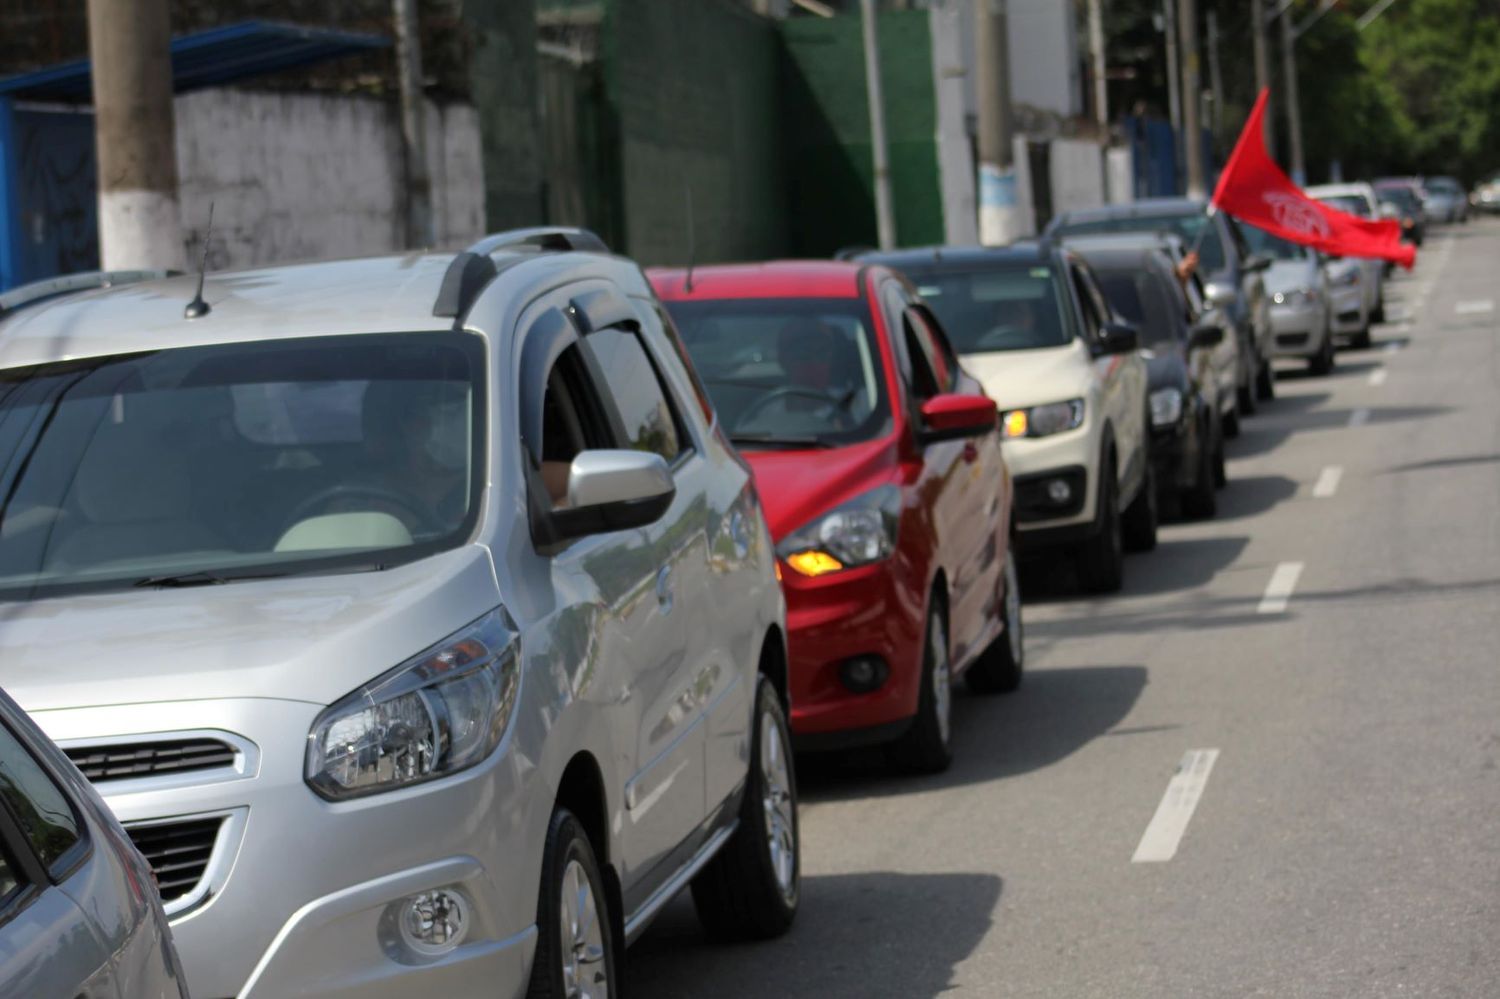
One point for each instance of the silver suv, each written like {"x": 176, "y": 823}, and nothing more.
{"x": 412, "y": 614}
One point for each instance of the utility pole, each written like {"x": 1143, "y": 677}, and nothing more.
{"x": 1215, "y": 75}
{"x": 885, "y": 214}
{"x": 1293, "y": 108}
{"x": 140, "y": 225}
{"x": 999, "y": 218}
{"x": 1096, "y": 50}
{"x": 1263, "y": 70}
{"x": 1191, "y": 98}
{"x": 1173, "y": 78}
{"x": 419, "y": 231}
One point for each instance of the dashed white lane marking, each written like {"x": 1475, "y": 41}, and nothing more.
{"x": 1359, "y": 417}
{"x": 1328, "y": 482}
{"x": 1474, "y": 308}
{"x": 1279, "y": 590}
{"x": 1378, "y": 376}
{"x": 1164, "y": 832}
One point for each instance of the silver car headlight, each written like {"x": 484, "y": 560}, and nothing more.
{"x": 1042, "y": 421}
{"x": 441, "y": 711}
{"x": 1166, "y": 406}
{"x": 852, "y": 534}
{"x": 1298, "y": 297}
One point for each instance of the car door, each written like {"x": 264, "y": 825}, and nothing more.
{"x": 602, "y": 392}
{"x": 1122, "y": 378}
{"x": 48, "y": 946}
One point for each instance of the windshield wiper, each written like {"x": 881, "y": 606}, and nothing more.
{"x": 183, "y": 579}
{"x": 778, "y": 440}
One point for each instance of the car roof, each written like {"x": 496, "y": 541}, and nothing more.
{"x": 771, "y": 279}
{"x": 387, "y": 294}
{"x": 963, "y": 257}
{"x": 1108, "y": 257}
{"x": 1090, "y": 243}
{"x": 1335, "y": 190}
{"x": 1145, "y": 208}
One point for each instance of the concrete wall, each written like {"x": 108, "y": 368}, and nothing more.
{"x": 1077, "y": 175}
{"x": 1043, "y": 49}
{"x": 301, "y": 176}
{"x": 955, "y": 148}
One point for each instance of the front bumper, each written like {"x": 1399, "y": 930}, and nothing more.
{"x": 1297, "y": 330}
{"x": 1071, "y": 457}
{"x": 874, "y": 610}
{"x": 300, "y": 893}
{"x": 1348, "y": 305}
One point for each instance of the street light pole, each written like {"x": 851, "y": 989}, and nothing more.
{"x": 999, "y": 221}
{"x": 140, "y": 224}
{"x": 885, "y": 215}
{"x": 1192, "y": 88}
{"x": 1293, "y": 108}
{"x": 1263, "y": 70}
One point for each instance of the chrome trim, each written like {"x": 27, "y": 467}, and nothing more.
{"x": 220, "y": 859}
{"x": 642, "y": 916}
{"x": 246, "y": 763}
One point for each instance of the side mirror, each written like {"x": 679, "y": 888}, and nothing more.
{"x": 1118, "y": 338}
{"x": 1221, "y": 296}
{"x": 950, "y": 417}
{"x": 612, "y": 490}
{"x": 1257, "y": 262}
{"x": 1205, "y": 335}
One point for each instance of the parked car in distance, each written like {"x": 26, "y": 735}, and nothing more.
{"x": 879, "y": 463}
{"x": 1401, "y": 200}
{"x": 1358, "y": 300}
{"x": 422, "y": 629}
{"x": 1187, "y": 444}
{"x": 1231, "y": 271}
{"x": 1486, "y": 195}
{"x": 1032, "y": 324}
{"x": 1300, "y": 302}
{"x": 79, "y": 915}
{"x": 1445, "y": 200}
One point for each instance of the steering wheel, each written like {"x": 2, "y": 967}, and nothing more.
{"x": 413, "y": 516}
{"x": 837, "y": 403}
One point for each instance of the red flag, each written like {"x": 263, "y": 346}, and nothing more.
{"x": 1253, "y": 188}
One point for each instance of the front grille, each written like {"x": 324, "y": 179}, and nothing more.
{"x": 178, "y": 852}
{"x": 141, "y": 759}
{"x": 1292, "y": 339}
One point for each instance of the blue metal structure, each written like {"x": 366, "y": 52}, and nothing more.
{"x": 48, "y": 185}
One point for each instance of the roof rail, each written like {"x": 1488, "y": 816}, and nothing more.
{"x": 464, "y": 279}
{"x": 555, "y": 238}
{"x": 39, "y": 291}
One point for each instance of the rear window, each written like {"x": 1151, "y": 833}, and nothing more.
{"x": 1137, "y": 294}
{"x": 1211, "y": 255}
{"x": 1353, "y": 204}
{"x": 1018, "y": 307}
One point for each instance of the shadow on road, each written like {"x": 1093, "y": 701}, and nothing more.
{"x": 1460, "y": 461}
{"x": 856, "y": 936}
{"x": 1055, "y": 713}
{"x": 1249, "y": 495}
{"x": 1264, "y": 433}
{"x": 1175, "y": 564}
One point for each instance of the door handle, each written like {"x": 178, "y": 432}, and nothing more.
{"x": 664, "y": 589}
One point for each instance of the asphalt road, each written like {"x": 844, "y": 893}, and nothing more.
{"x": 1346, "y": 841}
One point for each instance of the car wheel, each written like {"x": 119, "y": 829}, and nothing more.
{"x": 1321, "y": 363}
{"x": 1221, "y": 470}
{"x": 1246, "y": 394}
{"x": 1200, "y": 501}
{"x": 750, "y": 889}
{"x": 1378, "y": 316}
{"x": 1265, "y": 381}
{"x": 1101, "y": 560}
{"x": 575, "y": 948}
{"x": 927, "y": 746}
{"x": 1142, "y": 516}
{"x": 1231, "y": 424}
{"x": 998, "y": 668}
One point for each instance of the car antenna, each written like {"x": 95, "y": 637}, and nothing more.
{"x": 687, "y": 282}
{"x": 198, "y": 308}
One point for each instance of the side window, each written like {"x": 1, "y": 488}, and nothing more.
{"x": 944, "y": 346}
{"x": 11, "y": 883}
{"x": 645, "y": 414}
{"x": 569, "y": 424}
{"x": 36, "y": 803}
{"x": 675, "y": 339}
{"x": 931, "y": 354}
{"x": 1093, "y": 314}
{"x": 1237, "y": 236}
{"x": 924, "y": 380}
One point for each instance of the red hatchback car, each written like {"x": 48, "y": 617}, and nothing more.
{"x": 878, "y": 463}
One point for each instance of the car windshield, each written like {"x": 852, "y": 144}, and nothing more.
{"x": 1444, "y": 185}
{"x": 788, "y": 372}
{"x": 1401, "y": 197}
{"x": 1353, "y": 204}
{"x": 1274, "y": 247}
{"x": 199, "y": 465}
{"x": 1017, "y": 307}
{"x": 1137, "y": 294}
{"x": 1211, "y": 258}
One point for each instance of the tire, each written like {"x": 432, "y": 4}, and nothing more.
{"x": 1231, "y": 424}
{"x": 1378, "y": 316}
{"x": 1142, "y": 516}
{"x": 1321, "y": 363}
{"x": 750, "y": 890}
{"x": 1221, "y": 469}
{"x": 1200, "y": 501}
{"x": 1101, "y": 559}
{"x": 998, "y": 669}
{"x": 1265, "y": 382}
{"x": 1361, "y": 340}
{"x": 571, "y": 878}
{"x": 927, "y": 747}
{"x": 1245, "y": 399}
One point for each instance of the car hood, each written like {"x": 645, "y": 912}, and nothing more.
{"x": 1016, "y": 379}
{"x": 1291, "y": 275}
{"x": 1165, "y": 368}
{"x": 797, "y": 486}
{"x": 304, "y": 638}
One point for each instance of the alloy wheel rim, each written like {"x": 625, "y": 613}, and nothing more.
{"x": 584, "y": 960}
{"x": 942, "y": 685}
{"x": 1013, "y": 608}
{"x": 777, "y": 806}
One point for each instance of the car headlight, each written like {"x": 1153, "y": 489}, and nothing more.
{"x": 441, "y": 711}
{"x": 1166, "y": 407}
{"x": 852, "y": 534}
{"x": 1298, "y": 297}
{"x": 1042, "y": 421}
{"x": 1348, "y": 279}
